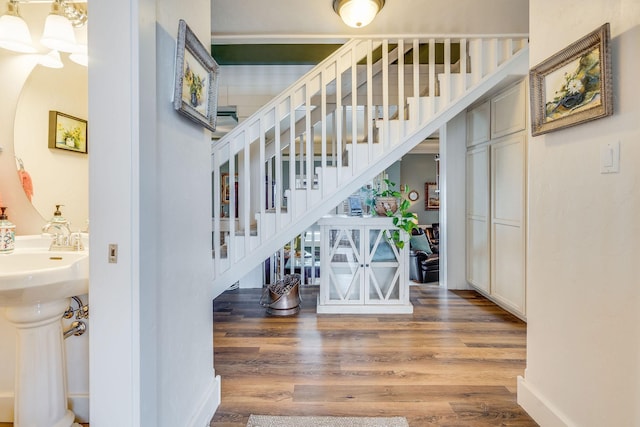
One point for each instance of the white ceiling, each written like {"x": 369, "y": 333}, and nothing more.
{"x": 289, "y": 21}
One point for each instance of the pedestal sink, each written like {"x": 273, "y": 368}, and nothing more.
{"x": 35, "y": 287}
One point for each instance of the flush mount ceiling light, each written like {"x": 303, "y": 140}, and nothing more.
{"x": 357, "y": 13}
{"x": 14, "y": 33}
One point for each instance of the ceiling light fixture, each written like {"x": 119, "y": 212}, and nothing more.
{"x": 14, "y": 32}
{"x": 357, "y": 13}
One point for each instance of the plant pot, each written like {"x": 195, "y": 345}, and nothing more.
{"x": 386, "y": 204}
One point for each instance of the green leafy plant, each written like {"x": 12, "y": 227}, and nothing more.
{"x": 389, "y": 191}
{"x": 402, "y": 218}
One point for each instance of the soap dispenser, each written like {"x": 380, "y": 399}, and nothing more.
{"x": 7, "y": 233}
{"x": 58, "y": 219}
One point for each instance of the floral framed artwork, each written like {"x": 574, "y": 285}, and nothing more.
{"x": 67, "y": 132}
{"x": 431, "y": 196}
{"x": 196, "y": 80}
{"x": 574, "y": 85}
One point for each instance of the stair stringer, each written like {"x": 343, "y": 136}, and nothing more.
{"x": 516, "y": 66}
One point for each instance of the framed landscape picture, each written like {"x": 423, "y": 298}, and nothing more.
{"x": 431, "y": 196}
{"x": 574, "y": 85}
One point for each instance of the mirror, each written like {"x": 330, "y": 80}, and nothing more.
{"x": 57, "y": 176}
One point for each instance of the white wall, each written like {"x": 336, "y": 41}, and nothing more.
{"x": 453, "y": 151}
{"x": 249, "y": 87}
{"x": 150, "y": 190}
{"x": 416, "y": 170}
{"x": 583, "y": 338}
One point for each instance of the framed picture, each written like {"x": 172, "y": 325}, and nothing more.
{"x": 196, "y": 80}
{"x": 226, "y": 187}
{"x": 67, "y": 132}
{"x": 574, "y": 85}
{"x": 431, "y": 196}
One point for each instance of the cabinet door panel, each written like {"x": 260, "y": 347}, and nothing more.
{"x": 478, "y": 182}
{"x": 507, "y": 179}
{"x": 508, "y": 282}
{"x": 478, "y": 124}
{"x": 345, "y": 266}
{"x": 478, "y": 253}
{"x": 509, "y": 110}
{"x": 383, "y": 273}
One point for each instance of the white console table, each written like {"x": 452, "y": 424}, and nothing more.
{"x": 362, "y": 272}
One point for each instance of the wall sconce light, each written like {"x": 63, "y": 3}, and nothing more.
{"x": 58, "y": 31}
{"x": 51, "y": 60}
{"x": 58, "y": 34}
{"x": 14, "y": 32}
{"x": 80, "y": 56}
{"x": 357, "y": 13}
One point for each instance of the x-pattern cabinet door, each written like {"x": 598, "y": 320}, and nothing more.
{"x": 346, "y": 266}
{"x": 382, "y": 267}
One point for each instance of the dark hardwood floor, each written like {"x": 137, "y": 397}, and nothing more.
{"x": 453, "y": 362}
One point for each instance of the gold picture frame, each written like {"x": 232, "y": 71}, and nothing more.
{"x": 574, "y": 85}
{"x": 431, "y": 196}
{"x": 67, "y": 132}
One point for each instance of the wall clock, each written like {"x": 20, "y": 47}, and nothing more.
{"x": 413, "y": 195}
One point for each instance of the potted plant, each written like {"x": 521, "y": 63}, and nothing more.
{"x": 386, "y": 204}
{"x": 386, "y": 200}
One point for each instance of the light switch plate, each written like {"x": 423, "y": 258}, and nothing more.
{"x": 610, "y": 157}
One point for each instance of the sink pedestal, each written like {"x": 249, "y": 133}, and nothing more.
{"x": 41, "y": 387}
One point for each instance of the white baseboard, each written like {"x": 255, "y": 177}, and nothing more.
{"x": 78, "y": 403}
{"x": 539, "y": 408}
{"x": 208, "y": 405}
{"x": 6, "y": 407}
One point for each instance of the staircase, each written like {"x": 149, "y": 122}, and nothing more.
{"x": 335, "y": 129}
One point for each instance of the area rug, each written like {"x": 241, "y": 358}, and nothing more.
{"x": 273, "y": 421}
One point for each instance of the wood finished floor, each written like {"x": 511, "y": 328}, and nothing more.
{"x": 453, "y": 362}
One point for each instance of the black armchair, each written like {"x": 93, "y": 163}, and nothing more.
{"x": 428, "y": 267}
{"x": 427, "y": 260}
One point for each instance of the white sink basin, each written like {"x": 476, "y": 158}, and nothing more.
{"x": 30, "y": 276}
{"x": 35, "y": 287}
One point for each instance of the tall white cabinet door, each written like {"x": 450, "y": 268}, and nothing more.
{"x": 507, "y": 221}
{"x": 478, "y": 218}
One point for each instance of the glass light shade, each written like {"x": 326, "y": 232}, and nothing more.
{"x": 14, "y": 34}
{"x": 58, "y": 34}
{"x": 51, "y": 60}
{"x": 358, "y": 13}
{"x": 80, "y": 56}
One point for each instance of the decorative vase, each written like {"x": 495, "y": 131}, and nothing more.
{"x": 386, "y": 204}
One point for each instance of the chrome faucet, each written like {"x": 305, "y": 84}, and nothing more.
{"x": 62, "y": 237}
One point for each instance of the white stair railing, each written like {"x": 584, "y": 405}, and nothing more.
{"x": 337, "y": 127}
